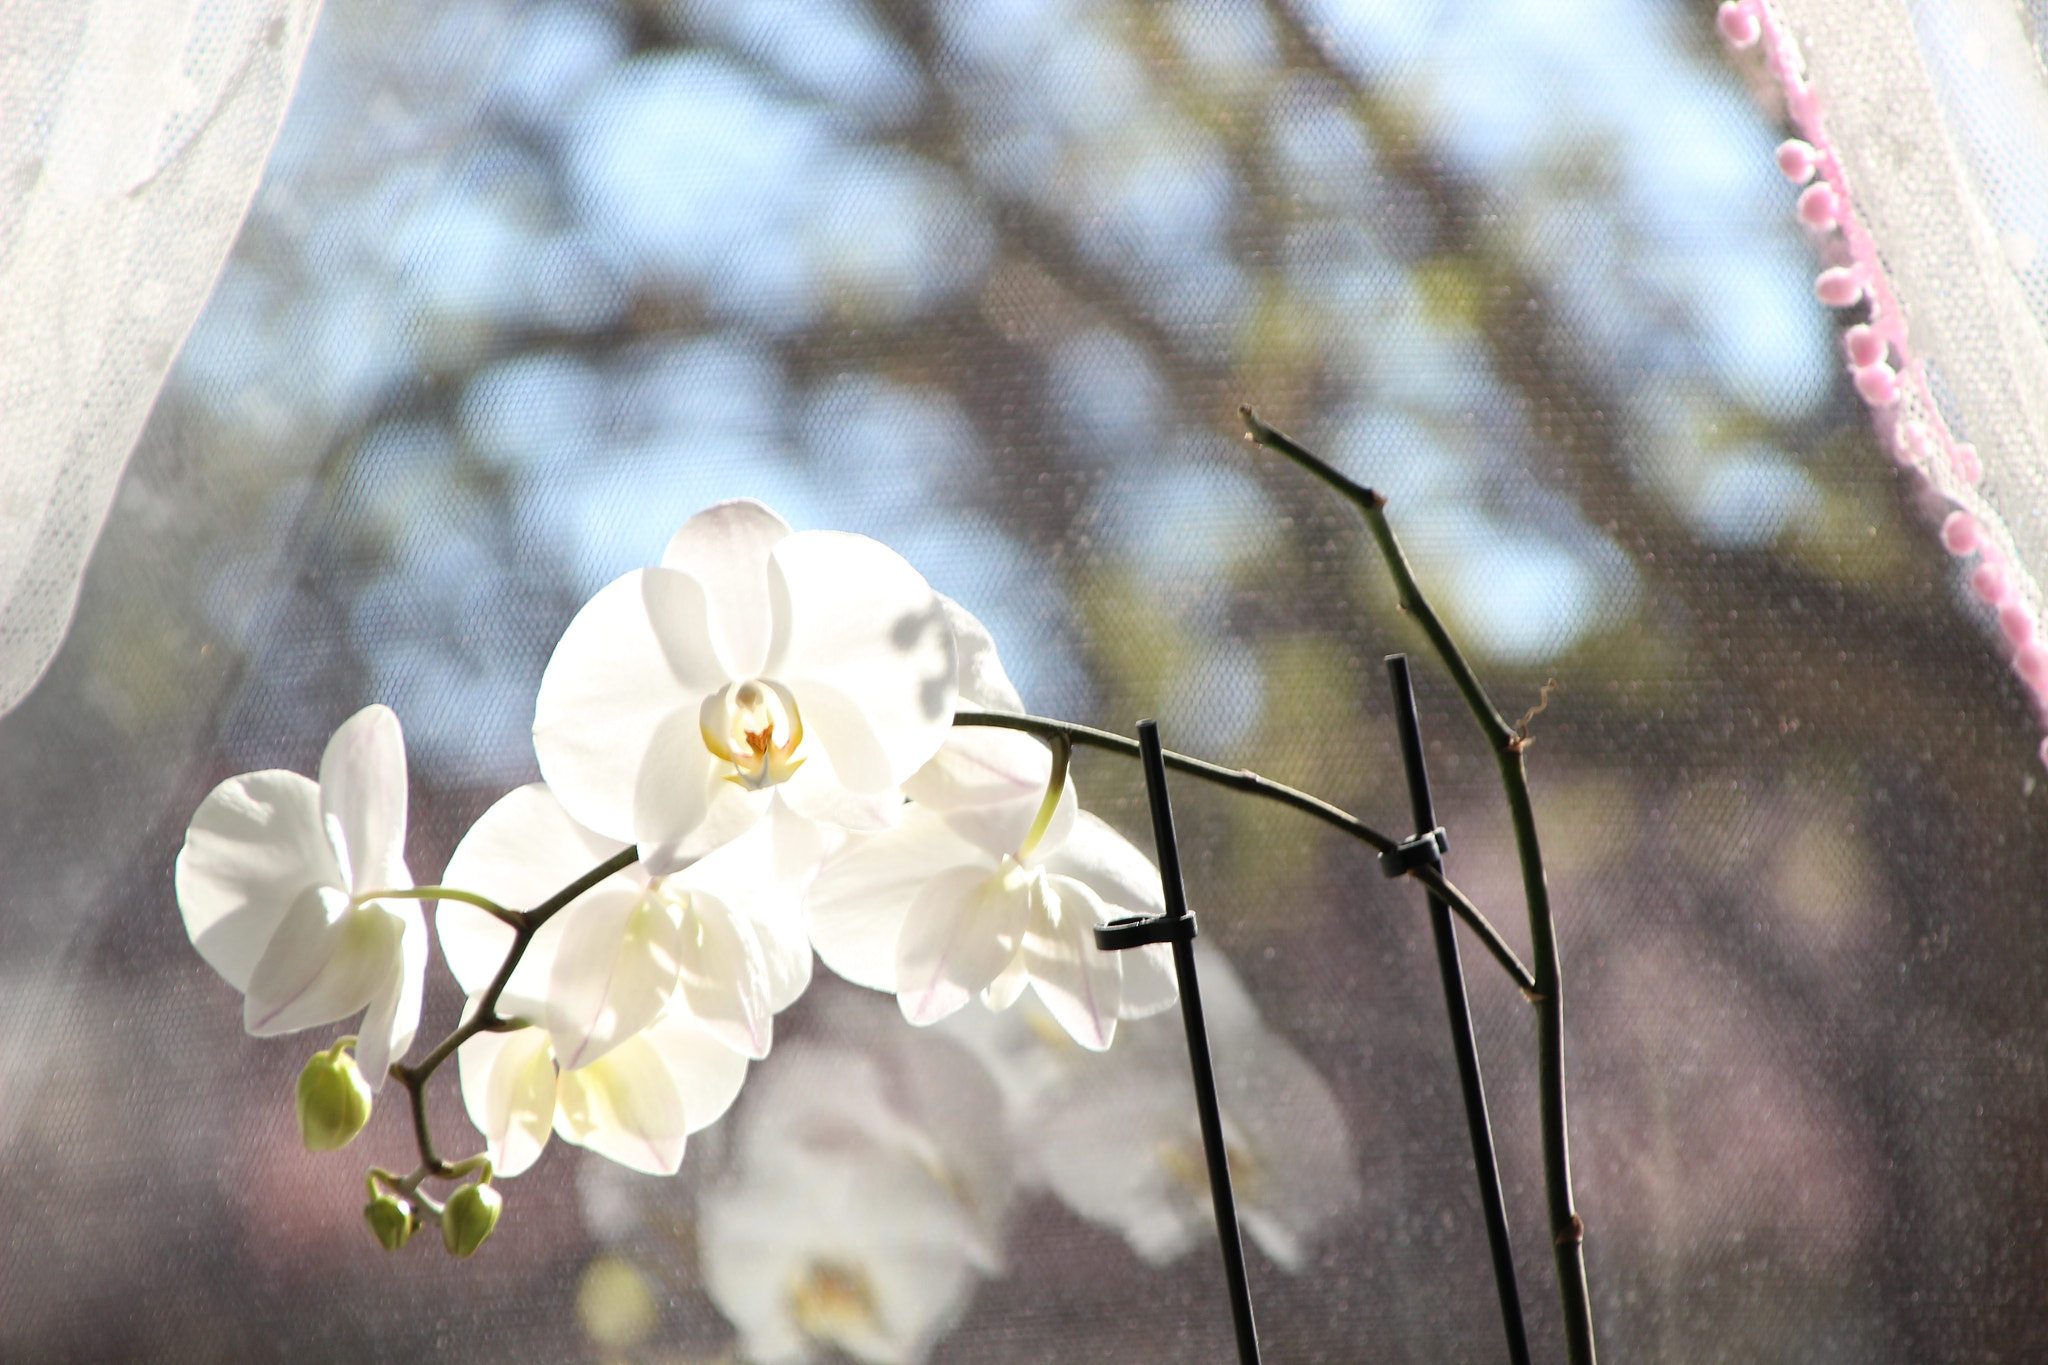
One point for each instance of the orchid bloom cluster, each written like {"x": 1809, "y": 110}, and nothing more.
{"x": 749, "y": 754}
{"x": 870, "y": 1183}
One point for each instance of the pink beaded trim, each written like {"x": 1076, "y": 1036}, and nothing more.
{"x": 1887, "y": 375}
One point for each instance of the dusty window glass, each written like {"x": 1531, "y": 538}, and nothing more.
{"x": 527, "y": 285}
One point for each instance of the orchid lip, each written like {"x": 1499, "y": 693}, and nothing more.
{"x": 755, "y": 726}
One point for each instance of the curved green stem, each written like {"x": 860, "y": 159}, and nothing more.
{"x": 1567, "y": 1229}
{"x": 524, "y": 924}
{"x": 1244, "y": 780}
{"x": 444, "y": 893}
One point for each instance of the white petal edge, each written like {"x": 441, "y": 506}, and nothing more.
{"x": 961, "y": 931}
{"x": 862, "y": 893}
{"x": 363, "y": 799}
{"x": 724, "y": 975}
{"x": 508, "y": 1087}
{"x": 393, "y": 1017}
{"x": 625, "y": 1106}
{"x": 324, "y": 963}
{"x": 1081, "y": 985}
{"x": 983, "y": 683}
{"x": 636, "y": 654}
{"x": 254, "y": 846}
{"x": 521, "y": 851}
{"x": 725, "y": 547}
{"x": 862, "y": 641}
{"x": 614, "y": 972}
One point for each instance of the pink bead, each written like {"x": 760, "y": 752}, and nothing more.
{"x": 2016, "y": 625}
{"x": 1988, "y": 582}
{"x": 1879, "y": 384}
{"x": 1817, "y": 205}
{"x": 1968, "y": 468}
{"x": 1838, "y": 287}
{"x": 2032, "y": 662}
{"x": 1865, "y": 346}
{"x": 1915, "y": 443}
{"x": 1737, "y": 24}
{"x": 2044, "y": 753}
{"x": 1959, "y": 533}
{"x": 1795, "y": 159}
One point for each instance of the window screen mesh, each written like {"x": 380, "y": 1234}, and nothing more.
{"x": 527, "y": 285}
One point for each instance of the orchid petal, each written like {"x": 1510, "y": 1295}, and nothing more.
{"x": 1080, "y": 984}
{"x": 857, "y": 904}
{"x": 682, "y": 806}
{"x": 625, "y": 1106}
{"x": 324, "y": 963}
{"x": 861, "y": 640}
{"x": 614, "y": 971}
{"x": 1150, "y": 982}
{"x": 706, "y": 1072}
{"x": 978, "y": 767}
{"x": 508, "y": 1086}
{"x": 960, "y": 932}
{"x": 762, "y": 876}
{"x": 254, "y": 846}
{"x": 521, "y": 851}
{"x": 1002, "y": 828}
{"x": 815, "y": 792}
{"x": 638, "y": 652}
{"x": 983, "y": 683}
{"x": 1114, "y": 868}
{"x": 362, "y": 800}
{"x": 1009, "y": 984}
{"x": 393, "y": 1017}
{"x": 1117, "y": 871}
{"x": 724, "y": 975}
{"x": 725, "y": 547}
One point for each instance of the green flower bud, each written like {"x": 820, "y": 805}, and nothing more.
{"x": 391, "y": 1221}
{"x": 334, "y": 1099}
{"x": 469, "y": 1217}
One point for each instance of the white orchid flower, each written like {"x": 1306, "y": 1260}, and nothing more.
{"x": 1117, "y": 1139}
{"x": 849, "y": 1221}
{"x": 636, "y": 1104}
{"x": 723, "y": 941}
{"x": 753, "y": 662}
{"x": 286, "y": 886}
{"x": 980, "y": 893}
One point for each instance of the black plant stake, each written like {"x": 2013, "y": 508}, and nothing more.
{"x": 1177, "y": 927}
{"x": 1428, "y": 845}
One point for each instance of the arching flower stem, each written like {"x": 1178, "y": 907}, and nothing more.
{"x": 1244, "y": 780}
{"x": 1567, "y": 1230}
{"x": 525, "y": 924}
{"x": 445, "y": 893}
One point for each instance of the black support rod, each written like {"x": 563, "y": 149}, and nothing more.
{"x": 1228, "y": 1237}
{"x": 1461, "y": 1020}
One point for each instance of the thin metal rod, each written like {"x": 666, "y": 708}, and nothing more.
{"x": 1228, "y": 1238}
{"x": 1455, "y": 1003}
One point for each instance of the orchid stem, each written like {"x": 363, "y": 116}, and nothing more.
{"x": 1243, "y": 780}
{"x": 445, "y": 893}
{"x": 1567, "y": 1229}
{"x": 524, "y": 924}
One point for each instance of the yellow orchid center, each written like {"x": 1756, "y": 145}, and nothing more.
{"x": 755, "y": 726}
{"x": 833, "y": 1301}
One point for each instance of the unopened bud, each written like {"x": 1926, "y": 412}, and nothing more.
{"x": 391, "y": 1221}
{"x": 334, "y": 1099}
{"x": 469, "y": 1217}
